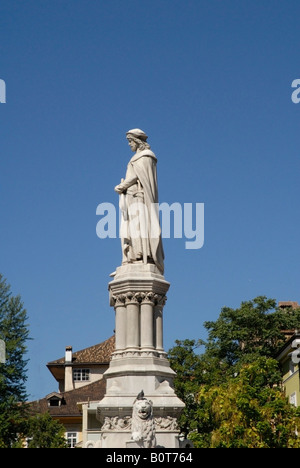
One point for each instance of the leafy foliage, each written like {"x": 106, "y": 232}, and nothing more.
{"x": 189, "y": 373}
{"x": 45, "y": 432}
{"x": 253, "y": 330}
{"x": 14, "y": 332}
{"x": 232, "y": 391}
{"x": 248, "y": 411}
{"x": 16, "y": 423}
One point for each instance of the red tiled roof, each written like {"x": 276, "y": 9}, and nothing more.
{"x": 92, "y": 392}
{"x": 285, "y": 304}
{"x": 99, "y": 353}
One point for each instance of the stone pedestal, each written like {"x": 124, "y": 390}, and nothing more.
{"x": 138, "y": 294}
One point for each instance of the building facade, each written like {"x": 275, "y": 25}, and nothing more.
{"x": 79, "y": 376}
{"x": 289, "y": 358}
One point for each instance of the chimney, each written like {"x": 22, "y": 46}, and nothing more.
{"x": 68, "y": 354}
{"x": 68, "y": 369}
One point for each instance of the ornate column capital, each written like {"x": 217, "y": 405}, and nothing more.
{"x": 141, "y": 297}
{"x": 148, "y": 298}
{"x": 132, "y": 297}
{"x": 160, "y": 300}
{"x": 118, "y": 300}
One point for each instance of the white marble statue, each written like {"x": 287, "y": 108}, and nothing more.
{"x": 140, "y": 229}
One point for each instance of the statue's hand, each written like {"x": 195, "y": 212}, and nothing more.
{"x": 119, "y": 188}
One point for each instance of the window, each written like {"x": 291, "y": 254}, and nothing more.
{"x": 54, "y": 402}
{"x": 81, "y": 375}
{"x": 293, "y": 399}
{"x": 54, "y": 399}
{"x": 71, "y": 439}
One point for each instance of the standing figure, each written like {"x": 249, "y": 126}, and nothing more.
{"x": 140, "y": 230}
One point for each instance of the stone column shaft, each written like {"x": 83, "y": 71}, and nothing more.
{"x": 147, "y": 321}
{"x": 120, "y": 327}
{"x": 133, "y": 325}
{"x": 158, "y": 314}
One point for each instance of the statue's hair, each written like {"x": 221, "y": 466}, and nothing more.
{"x": 142, "y": 145}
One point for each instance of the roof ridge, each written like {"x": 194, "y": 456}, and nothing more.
{"x": 94, "y": 346}
{"x": 98, "y": 353}
{"x": 93, "y": 391}
{"x": 83, "y": 388}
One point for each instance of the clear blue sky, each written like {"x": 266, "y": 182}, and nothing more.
{"x": 210, "y": 83}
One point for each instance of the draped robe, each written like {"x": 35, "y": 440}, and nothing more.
{"x": 140, "y": 229}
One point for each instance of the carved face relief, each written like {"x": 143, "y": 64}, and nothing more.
{"x": 143, "y": 409}
{"x": 133, "y": 144}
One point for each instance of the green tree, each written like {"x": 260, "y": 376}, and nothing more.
{"x": 45, "y": 432}
{"x": 248, "y": 411}
{"x": 192, "y": 371}
{"x": 254, "y": 329}
{"x": 186, "y": 362}
{"x": 238, "y": 338}
{"x": 14, "y": 332}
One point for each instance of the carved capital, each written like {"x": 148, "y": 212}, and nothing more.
{"x": 119, "y": 300}
{"x": 148, "y": 298}
{"x": 132, "y": 298}
{"x": 160, "y": 300}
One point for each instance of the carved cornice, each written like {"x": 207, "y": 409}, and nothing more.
{"x": 140, "y": 353}
{"x": 138, "y": 283}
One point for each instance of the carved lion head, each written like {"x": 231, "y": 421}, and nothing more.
{"x": 143, "y": 409}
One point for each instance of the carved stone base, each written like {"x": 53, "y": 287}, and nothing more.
{"x": 117, "y": 424}
{"x": 113, "y": 435}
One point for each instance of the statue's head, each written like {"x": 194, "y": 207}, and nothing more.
{"x": 137, "y": 140}
{"x": 143, "y": 409}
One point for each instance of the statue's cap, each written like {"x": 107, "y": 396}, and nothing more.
{"x": 138, "y": 133}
